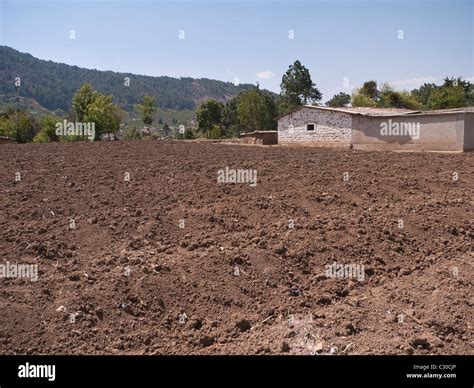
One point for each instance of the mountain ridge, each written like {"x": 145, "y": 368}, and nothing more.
{"x": 53, "y": 84}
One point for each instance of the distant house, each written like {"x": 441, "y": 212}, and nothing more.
{"x": 379, "y": 128}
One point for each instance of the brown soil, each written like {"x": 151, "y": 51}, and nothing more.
{"x": 128, "y": 273}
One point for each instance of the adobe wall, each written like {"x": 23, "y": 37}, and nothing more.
{"x": 437, "y": 132}
{"x": 469, "y": 131}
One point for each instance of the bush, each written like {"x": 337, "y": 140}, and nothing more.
{"x": 360, "y": 100}
{"x": 215, "y": 132}
{"x": 47, "y": 132}
{"x": 18, "y": 125}
{"x": 132, "y": 134}
{"x": 447, "y": 97}
{"x": 41, "y": 137}
{"x": 188, "y": 134}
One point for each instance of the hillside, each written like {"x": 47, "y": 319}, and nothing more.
{"x": 53, "y": 84}
{"x": 29, "y": 105}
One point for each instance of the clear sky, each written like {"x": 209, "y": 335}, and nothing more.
{"x": 342, "y": 43}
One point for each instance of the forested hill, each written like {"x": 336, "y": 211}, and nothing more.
{"x": 53, "y": 84}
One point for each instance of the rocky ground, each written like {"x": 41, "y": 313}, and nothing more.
{"x": 170, "y": 261}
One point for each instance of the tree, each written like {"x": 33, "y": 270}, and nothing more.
{"x": 215, "y": 132}
{"x": 209, "y": 115}
{"x": 340, "y": 100}
{"x": 93, "y": 107}
{"x": 446, "y": 97}
{"x": 359, "y": 100}
{"x": 369, "y": 89}
{"x": 105, "y": 114}
{"x": 401, "y": 100}
{"x": 19, "y": 125}
{"x": 256, "y": 111}
{"x": 388, "y": 98}
{"x": 47, "y": 132}
{"x": 369, "y": 96}
{"x": 82, "y": 99}
{"x": 189, "y": 133}
{"x": 7, "y": 126}
{"x": 147, "y": 111}
{"x": 466, "y": 85}
{"x": 166, "y": 129}
{"x": 230, "y": 120}
{"x": 297, "y": 88}
{"x": 453, "y": 93}
{"x": 423, "y": 93}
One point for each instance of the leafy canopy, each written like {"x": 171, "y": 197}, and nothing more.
{"x": 209, "y": 115}
{"x": 297, "y": 88}
{"x": 339, "y": 100}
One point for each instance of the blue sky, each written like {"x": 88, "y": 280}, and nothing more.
{"x": 342, "y": 43}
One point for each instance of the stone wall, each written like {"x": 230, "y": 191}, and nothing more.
{"x": 331, "y": 127}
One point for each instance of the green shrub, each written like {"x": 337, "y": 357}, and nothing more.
{"x": 360, "y": 100}
{"x": 215, "y": 132}
{"x": 132, "y": 134}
